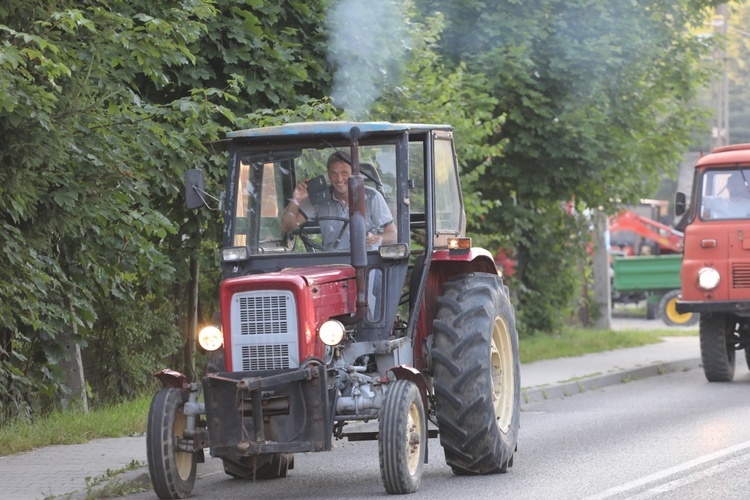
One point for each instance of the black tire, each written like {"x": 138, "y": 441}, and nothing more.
{"x": 717, "y": 351}
{"x": 747, "y": 356}
{"x": 476, "y": 374}
{"x": 172, "y": 471}
{"x": 271, "y": 466}
{"x": 651, "y": 309}
{"x": 668, "y": 311}
{"x": 402, "y": 438}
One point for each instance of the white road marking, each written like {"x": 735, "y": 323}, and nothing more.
{"x": 658, "y": 476}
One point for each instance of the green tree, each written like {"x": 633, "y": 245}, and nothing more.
{"x": 104, "y": 106}
{"x": 78, "y": 141}
{"x": 597, "y": 97}
{"x": 738, "y": 73}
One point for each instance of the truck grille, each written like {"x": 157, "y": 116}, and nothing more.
{"x": 264, "y": 331}
{"x": 741, "y": 275}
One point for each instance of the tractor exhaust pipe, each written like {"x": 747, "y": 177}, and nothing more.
{"x": 357, "y": 227}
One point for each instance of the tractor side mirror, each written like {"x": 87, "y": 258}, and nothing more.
{"x": 194, "y": 189}
{"x": 680, "y": 203}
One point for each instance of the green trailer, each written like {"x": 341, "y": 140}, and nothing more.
{"x": 654, "y": 278}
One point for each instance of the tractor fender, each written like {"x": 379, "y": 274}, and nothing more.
{"x": 172, "y": 378}
{"x": 473, "y": 260}
{"x": 403, "y": 372}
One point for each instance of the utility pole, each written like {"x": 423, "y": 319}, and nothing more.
{"x": 602, "y": 291}
{"x": 720, "y": 82}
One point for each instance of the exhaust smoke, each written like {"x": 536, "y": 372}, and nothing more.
{"x": 366, "y": 48}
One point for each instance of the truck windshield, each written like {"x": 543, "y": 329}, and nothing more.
{"x": 265, "y": 185}
{"x": 725, "y": 194}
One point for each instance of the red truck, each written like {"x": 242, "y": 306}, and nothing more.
{"x": 715, "y": 270}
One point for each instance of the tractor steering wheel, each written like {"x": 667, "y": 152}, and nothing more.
{"x": 305, "y": 232}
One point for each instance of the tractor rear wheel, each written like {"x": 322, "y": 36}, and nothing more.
{"x": 476, "y": 374}
{"x": 717, "y": 352}
{"x": 402, "y": 438}
{"x": 668, "y": 311}
{"x": 172, "y": 471}
{"x": 271, "y": 466}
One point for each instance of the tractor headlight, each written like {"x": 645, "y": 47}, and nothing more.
{"x": 708, "y": 278}
{"x": 235, "y": 254}
{"x": 210, "y": 338}
{"x": 331, "y": 332}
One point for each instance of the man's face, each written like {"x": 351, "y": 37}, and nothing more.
{"x": 339, "y": 173}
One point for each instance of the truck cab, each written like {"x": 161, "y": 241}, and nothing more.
{"x": 715, "y": 271}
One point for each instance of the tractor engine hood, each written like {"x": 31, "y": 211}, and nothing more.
{"x": 312, "y": 295}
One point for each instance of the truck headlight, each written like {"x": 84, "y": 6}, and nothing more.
{"x": 210, "y": 338}
{"x": 708, "y": 278}
{"x": 331, "y": 332}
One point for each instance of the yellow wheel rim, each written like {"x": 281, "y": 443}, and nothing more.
{"x": 413, "y": 438}
{"x": 503, "y": 375}
{"x": 674, "y": 316}
{"x": 182, "y": 459}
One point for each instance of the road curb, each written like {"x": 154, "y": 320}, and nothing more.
{"x": 561, "y": 390}
{"x": 130, "y": 481}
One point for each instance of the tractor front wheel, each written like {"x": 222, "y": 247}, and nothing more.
{"x": 476, "y": 374}
{"x": 402, "y": 438}
{"x": 172, "y": 471}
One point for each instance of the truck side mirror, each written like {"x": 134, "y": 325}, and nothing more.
{"x": 680, "y": 203}
{"x": 194, "y": 189}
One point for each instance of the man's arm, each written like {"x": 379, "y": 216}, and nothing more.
{"x": 389, "y": 234}
{"x": 292, "y": 216}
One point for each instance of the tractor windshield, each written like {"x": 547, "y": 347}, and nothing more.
{"x": 725, "y": 194}
{"x": 265, "y": 187}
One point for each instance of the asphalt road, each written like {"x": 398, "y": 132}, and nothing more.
{"x": 669, "y": 437}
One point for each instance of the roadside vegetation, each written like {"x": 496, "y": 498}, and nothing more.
{"x": 129, "y": 417}
{"x": 576, "y": 342}
{"x": 74, "y": 427}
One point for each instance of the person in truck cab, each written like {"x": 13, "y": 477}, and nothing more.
{"x": 734, "y": 206}
{"x": 379, "y": 220}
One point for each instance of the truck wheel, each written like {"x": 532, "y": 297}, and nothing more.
{"x": 271, "y": 466}
{"x": 402, "y": 438}
{"x": 668, "y": 311}
{"x": 172, "y": 471}
{"x": 717, "y": 354}
{"x": 476, "y": 374}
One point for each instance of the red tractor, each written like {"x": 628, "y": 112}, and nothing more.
{"x": 716, "y": 263}
{"x": 371, "y": 306}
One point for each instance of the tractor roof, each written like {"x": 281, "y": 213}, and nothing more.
{"x": 335, "y": 128}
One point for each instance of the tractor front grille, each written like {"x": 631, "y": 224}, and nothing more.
{"x": 264, "y": 331}
{"x": 741, "y": 275}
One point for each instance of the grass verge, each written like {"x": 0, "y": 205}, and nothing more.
{"x": 576, "y": 342}
{"x": 73, "y": 427}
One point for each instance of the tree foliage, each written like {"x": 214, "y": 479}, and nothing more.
{"x": 104, "y": 106}
{"x": 738, "y": 72}
{"x": 597, "y": 98}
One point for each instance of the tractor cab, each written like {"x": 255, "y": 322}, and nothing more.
{"x": 348, "y": 284}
